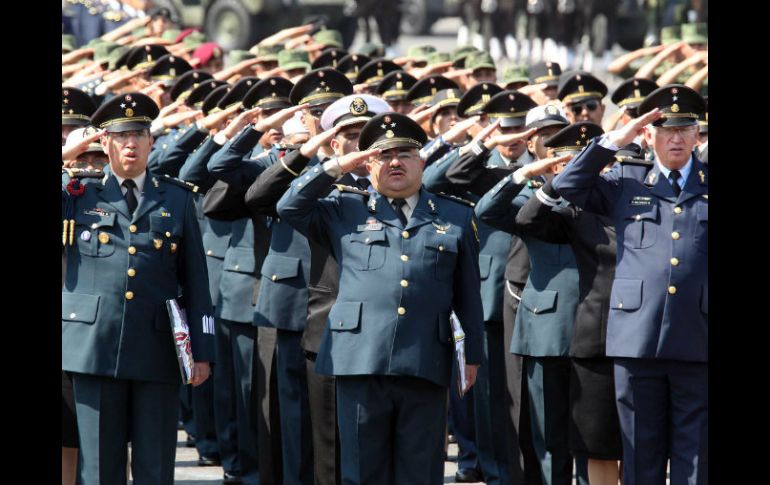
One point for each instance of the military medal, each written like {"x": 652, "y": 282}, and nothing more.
{"x": 173, "y": 248}
{"x": 441, "y": 229}
{"x": 158, "y": 243}
{"x": 85, "y": 235}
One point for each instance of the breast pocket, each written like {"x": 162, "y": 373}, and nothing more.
{"x": 166, "y": 234}
{"x": 368, "y": 249}
{"x": 95, "y": 235}
{"x": 441, "y": 253}
{"x": 641, "y": 227}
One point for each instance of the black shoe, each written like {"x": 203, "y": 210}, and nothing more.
{"x": 231, "y": 479}
{"x": 190, "y": 443}
{"x": 468, "y": 476}
{"x": 209, "y": 460}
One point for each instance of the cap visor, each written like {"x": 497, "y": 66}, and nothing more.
{"x": 675, "y": 122}
{"x": 512, "y": 122}
{"x": 127, "y": 126}
{"x": 74, "y": 122}
{"x": 546, "y": 123}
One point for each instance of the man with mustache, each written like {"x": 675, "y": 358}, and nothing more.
{"x": 407, "y": 258}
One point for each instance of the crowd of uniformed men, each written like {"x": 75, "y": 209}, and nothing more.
{"x": 328, "y": 211}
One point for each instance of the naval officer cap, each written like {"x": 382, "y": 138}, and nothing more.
{"x": 76, "y": 107}
{"x": 353, "y": 109}
{"x": 510, "y": 107}
{"x": 126, "y": 112}
{"x": 546, "y": 115}
{"x": 475, "y": 99}
{"x": 391, "y": 130}
{"x": 269, "y": 93}
{"x": 320, "y": 86}
{"x": 680, "y": 105}
{"x": 573, "y": 138}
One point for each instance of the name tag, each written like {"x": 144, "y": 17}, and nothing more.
{"x": 370, "y": 227}
{"x": 96, "y": 212}
{"x": 641, "y": 201}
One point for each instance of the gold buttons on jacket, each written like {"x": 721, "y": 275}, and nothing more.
{"x": 129, "y": 295}
{"x": 677, "y": 210}
{"x": 132, "y": 228}
{"x": 131, "y": 272}
{"x": 404, "y": 283}
{"x": 672, "y": 290}
{"x": 674, "y": 262}
{"x": 104, "y": 238}
{"x": 173, "y": 247}
{"x": 401, "y": 310}
{"x": 404, "y": 258}
{"x": 131, "y": 250}
{"x": 674, "y": 235}
{"x": 405, "y": 234}
{"x": 168, "y": 234}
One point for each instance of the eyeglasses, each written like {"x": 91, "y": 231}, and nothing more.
{"x": 578, "y": 108}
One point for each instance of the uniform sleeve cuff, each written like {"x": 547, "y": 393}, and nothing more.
{"x": 220, "y": 138}
{"x": 546, "y": 199}
{"x": 604, "y": 142}
{"x": 518, "y": 176}
{"x": 333, "y": 168}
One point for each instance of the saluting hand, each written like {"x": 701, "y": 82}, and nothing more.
{"x": 201, "y": 372}
{"x": 543, "y": 166}
{"x": 457, "y": 133}
{"x": 214, "y": 120}
{"x": 633, "y": 128}
{"x": 353, "y": 160}
{"x": 277, "y": 119}
{"x": 311, "y": 147}
{"x": 72, "y": 151}
{"x": 501, "y": 139}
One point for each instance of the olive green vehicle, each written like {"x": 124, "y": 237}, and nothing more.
{"x": 239, "y": 24}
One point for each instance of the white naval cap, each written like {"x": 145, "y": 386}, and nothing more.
{"x": 546, "y": 115}
{"x": 354, "y": 108}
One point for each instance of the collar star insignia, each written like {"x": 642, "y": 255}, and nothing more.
{"x": 372, "y": 204}
{"x": 652, "y": 177}
{"x": 432, "y": 205}
{"x": 155, "y": 182}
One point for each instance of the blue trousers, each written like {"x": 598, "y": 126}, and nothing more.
{"x": 663, "y": 410}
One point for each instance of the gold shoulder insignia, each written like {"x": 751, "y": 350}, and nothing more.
{"x": 475, "y": 228}
{"x": 83, "y": 173}
{"x": 180, "y": 183}
{"x": 348, "y": 188}
{"x": 454, "y": 198}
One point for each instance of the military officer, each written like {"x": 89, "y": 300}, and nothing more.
{"x": 351, "y": 64}
{"x": 132, "y": 243}
{"x": 581, "y": 94}
{"x": 658, "y": 318}
{"x": 373, "y": 71}
{"x": 406, "y": 256}
{"x": 393, "y": 89}
{"x": 548, "y": 73}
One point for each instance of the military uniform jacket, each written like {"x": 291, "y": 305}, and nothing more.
{"x": 120, "y": 272}
{"x": 323, "y": 283}
{"x": 592, "y": 238}
{"x": 249, "y": 238}
{"x": 175, "y": 151}
{"x": 494, "y": 245}
{"x": 545, "y": 318}
{"x": 397, "y": 284}
{"x": 659, "y": 298}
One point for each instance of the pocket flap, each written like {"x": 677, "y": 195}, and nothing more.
{"x": 345, "y": 315}
{"x": 485, "y": 265}
{"x": 626, "y": 294}
{"x": 441, "y": 242}
{"x": 643, "y": 213}
{"x": 702, "y": 212}
{"x": 160, "y": 224}
{"x": 539, "y": 301}
{"x": 240, "y": 260}
{"x": 278, "y": 267}
{"x": 215, "y": 246}
{"x": 92, "y": 220}
{"x": 78, "y": 307}
{"x": 368, "y": 237}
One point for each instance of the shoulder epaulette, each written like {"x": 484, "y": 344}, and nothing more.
{"x": 83, "y": 173}
{"x": 178, "y": 182}
{"x": 454, "y": 198}
{"x": 348, "y": 188}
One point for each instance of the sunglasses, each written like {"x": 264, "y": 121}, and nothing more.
{"x": 578, "y": 108}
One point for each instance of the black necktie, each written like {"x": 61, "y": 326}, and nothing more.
{"x": 363, "y": 182}
{"x": 674, "y": 177}
{"x": 130, "y": 196}
{"x": 397, "y": 204}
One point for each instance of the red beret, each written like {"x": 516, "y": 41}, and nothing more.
{"x": 185, "y": 33}
{"x": 207, "y": 51}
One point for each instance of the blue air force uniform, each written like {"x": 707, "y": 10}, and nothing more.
{"x": 658, "y": 318}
